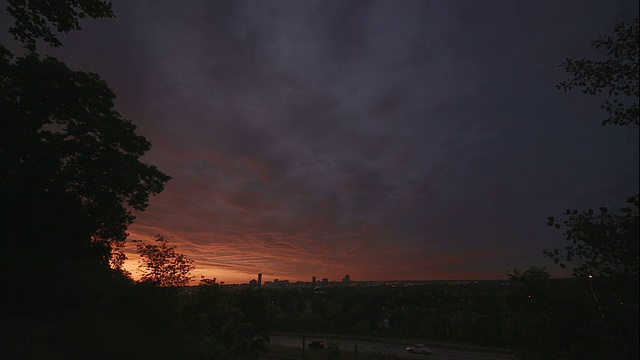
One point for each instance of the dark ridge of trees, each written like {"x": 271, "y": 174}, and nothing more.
{"x": 541, "y": 318}
{"x": 537, "y": 317}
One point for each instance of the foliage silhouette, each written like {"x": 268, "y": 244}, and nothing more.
{"x": 34, "y": 19}
{"x": 617, "y": 76}
{"x": 163, "y": 265}
{"x": 71, "y": 180}
{"x": 62, "y": 136}
{"x": 64, "y": 118}
{"x": 605, "y": 244}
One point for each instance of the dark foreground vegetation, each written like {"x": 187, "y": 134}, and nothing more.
{"x": 98, "y": 314}
{"x": 106, "y": 316}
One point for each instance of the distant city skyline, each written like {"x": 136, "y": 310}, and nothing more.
{"x": 258, "y": 280}
{"x": 261, "y": 281}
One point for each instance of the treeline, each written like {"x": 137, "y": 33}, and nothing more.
{"x": 536, "y": 316}
{"x": 439, "y": 312}
{"x": 101, "y": 314}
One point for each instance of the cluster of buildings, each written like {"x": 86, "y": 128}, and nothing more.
{"x": 314, "y": 283}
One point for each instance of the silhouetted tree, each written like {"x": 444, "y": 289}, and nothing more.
{"x": 616, "y": 76}
{"x": 605, "y": 243}
{"x": 163, "y": 265}
{"x": 62, "y": 139}
{"x": 34, "y": 19}
{"x": 62, "y": 136}
{"x": 71, "y": 180}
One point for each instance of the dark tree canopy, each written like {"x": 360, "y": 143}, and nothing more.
{"x": 62, "y": 133}
{"x": 602, "y": 243}
{"x": 616, "y": 76}
{"x": 605, "y": 243}
{"x": 35, "y": 19}
{"x": 70, "y": 170}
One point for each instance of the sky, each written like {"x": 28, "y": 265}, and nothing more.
{"x": 387, "y": 140}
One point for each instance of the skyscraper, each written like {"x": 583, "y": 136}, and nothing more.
{"x": 259, "y": 280}
{"x": 313, "y": 282}
{"x": 347, "y": 280}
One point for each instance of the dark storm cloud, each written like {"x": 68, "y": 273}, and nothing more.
{"x": 336, "y": 93}
{"x": 358, "y": 137}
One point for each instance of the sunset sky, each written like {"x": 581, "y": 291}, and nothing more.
{"x": 386, "y": 140}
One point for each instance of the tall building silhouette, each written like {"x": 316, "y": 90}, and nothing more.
{"x": 347, "y": 280}
{"x": 313, "y": 282}
{"x": 259, "y": 279}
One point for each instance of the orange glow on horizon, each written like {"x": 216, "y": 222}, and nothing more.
{"x": 239, "y": 254}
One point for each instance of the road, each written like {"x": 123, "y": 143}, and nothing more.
{"x": 439, "y": 353}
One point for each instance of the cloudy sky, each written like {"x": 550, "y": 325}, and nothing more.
{"x": 380, "y": 139}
